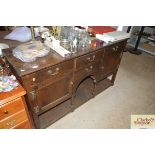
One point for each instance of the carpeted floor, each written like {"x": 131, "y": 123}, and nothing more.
{"x": 133, "y": 93}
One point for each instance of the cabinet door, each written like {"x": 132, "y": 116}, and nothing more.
{"x": 112, "y": 58}
{"x": 51, "y": 93}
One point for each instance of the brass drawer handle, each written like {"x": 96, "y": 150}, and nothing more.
{"x": 115, "y": 48}
{"x": 90, "y": 60}
{"x": 11, "y": 123}
{"x": 89, "y": 69}
{"x": 56, "y": 71}
{"x": 102, "y": 67}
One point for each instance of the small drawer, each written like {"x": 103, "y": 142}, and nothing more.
{"x": 53, "y": 72}
{"x": 24, "y": 125}
{"x": 11, "y": 108}
{"x": 13, "y": 121}
{"x": 82, "y": 61}
{"x": 116, "y": 48}
{"x": 88, "y": 70}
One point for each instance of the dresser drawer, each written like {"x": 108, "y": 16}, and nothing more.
{"x": 10, "y": 108}
{"x": 88, "y": 70}
{"x": 13, "y": 121}
{"x": 82, "y": 61}
{"x": 24, "y": 125}
{"x": 116, "y": 48}
{"x": 53, "y": 72}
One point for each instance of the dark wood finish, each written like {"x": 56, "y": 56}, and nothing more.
{"x": 59, "y": 85}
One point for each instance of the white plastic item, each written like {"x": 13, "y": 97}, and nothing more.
{"x": 113, "y": 36}
{"x": 22, "y": 34}
{"x": 55, "y": 45}
{"x": 4, "y": 46}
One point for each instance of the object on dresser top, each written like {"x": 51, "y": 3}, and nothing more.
{"x": 22, "y": 34}
{"x": 28, "y": 52}
{"x": 71, "y": 39}
{"x": 55, "y": 45}
{"x": 113, "y": 36}
{"x": 3, "y": 46}
{"x": 7, "y": 83}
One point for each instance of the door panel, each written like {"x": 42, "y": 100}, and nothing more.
{"x": 112, "y": 58}
{"x": 53, "y": 94}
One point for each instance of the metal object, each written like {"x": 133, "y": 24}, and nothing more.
{"x": 65, "y": 43}
{"x": 11, "y": 123}
{"x": 6, "y": 112}
{"x": 36, "y": 109}
{"x": 90, "y": 60}
{"x": 89, "y": 69}
{"x": 135, "y": 50}
{"x": 32, "y": 33}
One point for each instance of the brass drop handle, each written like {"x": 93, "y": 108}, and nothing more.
{"x": 11, "y": 123}
{"x": 56, "y": 71}
{"x": 90, "y": 60}
{"x": 115, "y": 48}
{"x": 89, "y": 69}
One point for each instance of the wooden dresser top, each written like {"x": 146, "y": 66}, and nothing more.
{"x": 53, "y": 58}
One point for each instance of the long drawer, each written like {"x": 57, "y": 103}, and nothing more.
{"x": 14, "y": 120}
{"x": 52, "y": 72}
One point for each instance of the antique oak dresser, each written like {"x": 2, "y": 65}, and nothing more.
{"x": 56, "y": 86}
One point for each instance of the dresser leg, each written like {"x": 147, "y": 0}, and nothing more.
{"x": 113, "y": 77}
{"x": 94, "y": 88}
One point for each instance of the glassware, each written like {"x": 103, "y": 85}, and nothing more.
{"x": 65, "y": 43}
{"x": 84, "y": 39}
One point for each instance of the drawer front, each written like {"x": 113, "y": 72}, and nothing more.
{"x": 89, "y": 70}
{"x": 82, "y": 61}
{"x": 50, "y": 94}
{"x": 52, "y": 72}
{"x": 116, "y": 48}
{"x": 24, "y": 125}
{"x": 11, "y": 108}
{"x": 13, "y": 121}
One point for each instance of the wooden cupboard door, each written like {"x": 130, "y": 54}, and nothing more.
{"x": 112, "y": 58}
{"x": 51, "y": 93}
